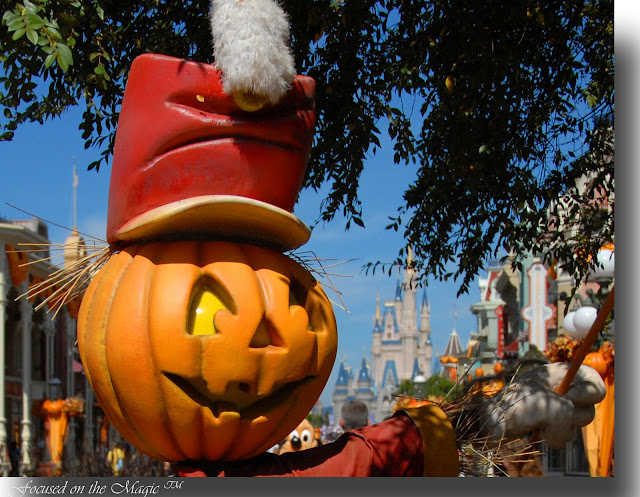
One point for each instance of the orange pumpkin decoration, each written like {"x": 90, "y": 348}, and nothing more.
{"x": 498, "y": 368}
{"x": 479, "y": 372}
{"x": 597, "y": 361}
{"x": 52, "y": 407}
{"x": 205, "y": 350}
{"x": 490, "y": 388}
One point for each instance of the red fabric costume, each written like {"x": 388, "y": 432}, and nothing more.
{"x": 415, "y": 442}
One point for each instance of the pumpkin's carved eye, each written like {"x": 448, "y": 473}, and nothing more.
{"x": 297, "y": 293}
{"x": 205, "y": 305}
{"x": 298, "y": 296}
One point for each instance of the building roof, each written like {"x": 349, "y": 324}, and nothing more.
{"x": 399, "y": 291}
{"x": 453, "y": 348}
{"x": 425, "y": 301}
{"x": 343, "y": 375}
{"x": 390, "y": 374}
{"x": 364, "y": 371}
{"x": 416, "y": 369}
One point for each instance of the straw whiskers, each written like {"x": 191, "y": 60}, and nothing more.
{"x": 319, "y": 267}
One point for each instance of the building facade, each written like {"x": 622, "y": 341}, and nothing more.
{"x": 39, "y": 359}
{"x": 523, "y": 311}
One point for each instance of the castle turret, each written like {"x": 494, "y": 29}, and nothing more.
{"x": 409, "y": 317}
{"x": 364, "y": 385}
{"x": 378, "y": 330}
{"x": 425, "y": 315}
{"x": 341, "y": 390}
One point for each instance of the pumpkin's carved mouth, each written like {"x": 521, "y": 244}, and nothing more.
{"x": 248, "y": 405}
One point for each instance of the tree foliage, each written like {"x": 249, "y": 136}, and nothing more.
{"x": 499, "y": 106}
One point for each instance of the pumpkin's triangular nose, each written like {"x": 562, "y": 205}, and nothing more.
{"x": 264, "y": 336}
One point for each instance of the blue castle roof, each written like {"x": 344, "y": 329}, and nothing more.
{"x": 390, "y": 371}
{"x": 364, "y": 371}
{"x": 343, "y": 375}
{"x": 416, "y": 369}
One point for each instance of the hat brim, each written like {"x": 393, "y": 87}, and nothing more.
{"x": 226, "y": 217}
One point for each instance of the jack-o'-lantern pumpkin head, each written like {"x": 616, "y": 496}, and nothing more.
{"x": 205, "y": 350}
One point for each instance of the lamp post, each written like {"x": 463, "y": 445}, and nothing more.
{"x": 578, "y": 322}
{"x": 419, "y": 386}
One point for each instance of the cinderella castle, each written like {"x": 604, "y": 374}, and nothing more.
{"x": 401, "y": 350}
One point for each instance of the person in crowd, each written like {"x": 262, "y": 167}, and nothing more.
{"x": 355, "y": 414}
{"x": 115, "y": 457}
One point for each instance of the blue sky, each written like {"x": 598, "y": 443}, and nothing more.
{"x": 36, "y": 175}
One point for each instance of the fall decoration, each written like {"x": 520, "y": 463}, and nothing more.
{"x": 205, "y": 350}
{"x": 596, "y": 361}
{"x": 561, "y": 349}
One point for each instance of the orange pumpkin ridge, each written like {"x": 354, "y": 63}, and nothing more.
{"x": 91, "y": 339}
{"x": 130, "y": 353}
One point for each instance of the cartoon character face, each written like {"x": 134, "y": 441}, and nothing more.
{"x": 302, "y": 438}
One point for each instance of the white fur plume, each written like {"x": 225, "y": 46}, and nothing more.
{"x": 251, "y": 47}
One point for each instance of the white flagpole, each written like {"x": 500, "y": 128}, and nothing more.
{"x": 75, "y": 186}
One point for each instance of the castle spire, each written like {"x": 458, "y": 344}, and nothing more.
{"x": 425, "y": 301}
{"x": 399, "y": 290}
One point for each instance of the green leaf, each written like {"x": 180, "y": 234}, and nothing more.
{"x": 65, "y": 54}
{"x": 358, "y": 221}
{"x": 49, "y": 60}
{"x": 31, "y": 8}
{"x": 18, "y": 34}
{"x": 62, "y": 62}
{"x": 10, "y": 16}
{"x": 34, "y": 21}
{"x": 33, "y": 36}
{"x": 16, "y": 24}
{"x": 53, "y": 32}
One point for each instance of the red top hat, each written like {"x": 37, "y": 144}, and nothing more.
{"x": 189, "y": 162}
